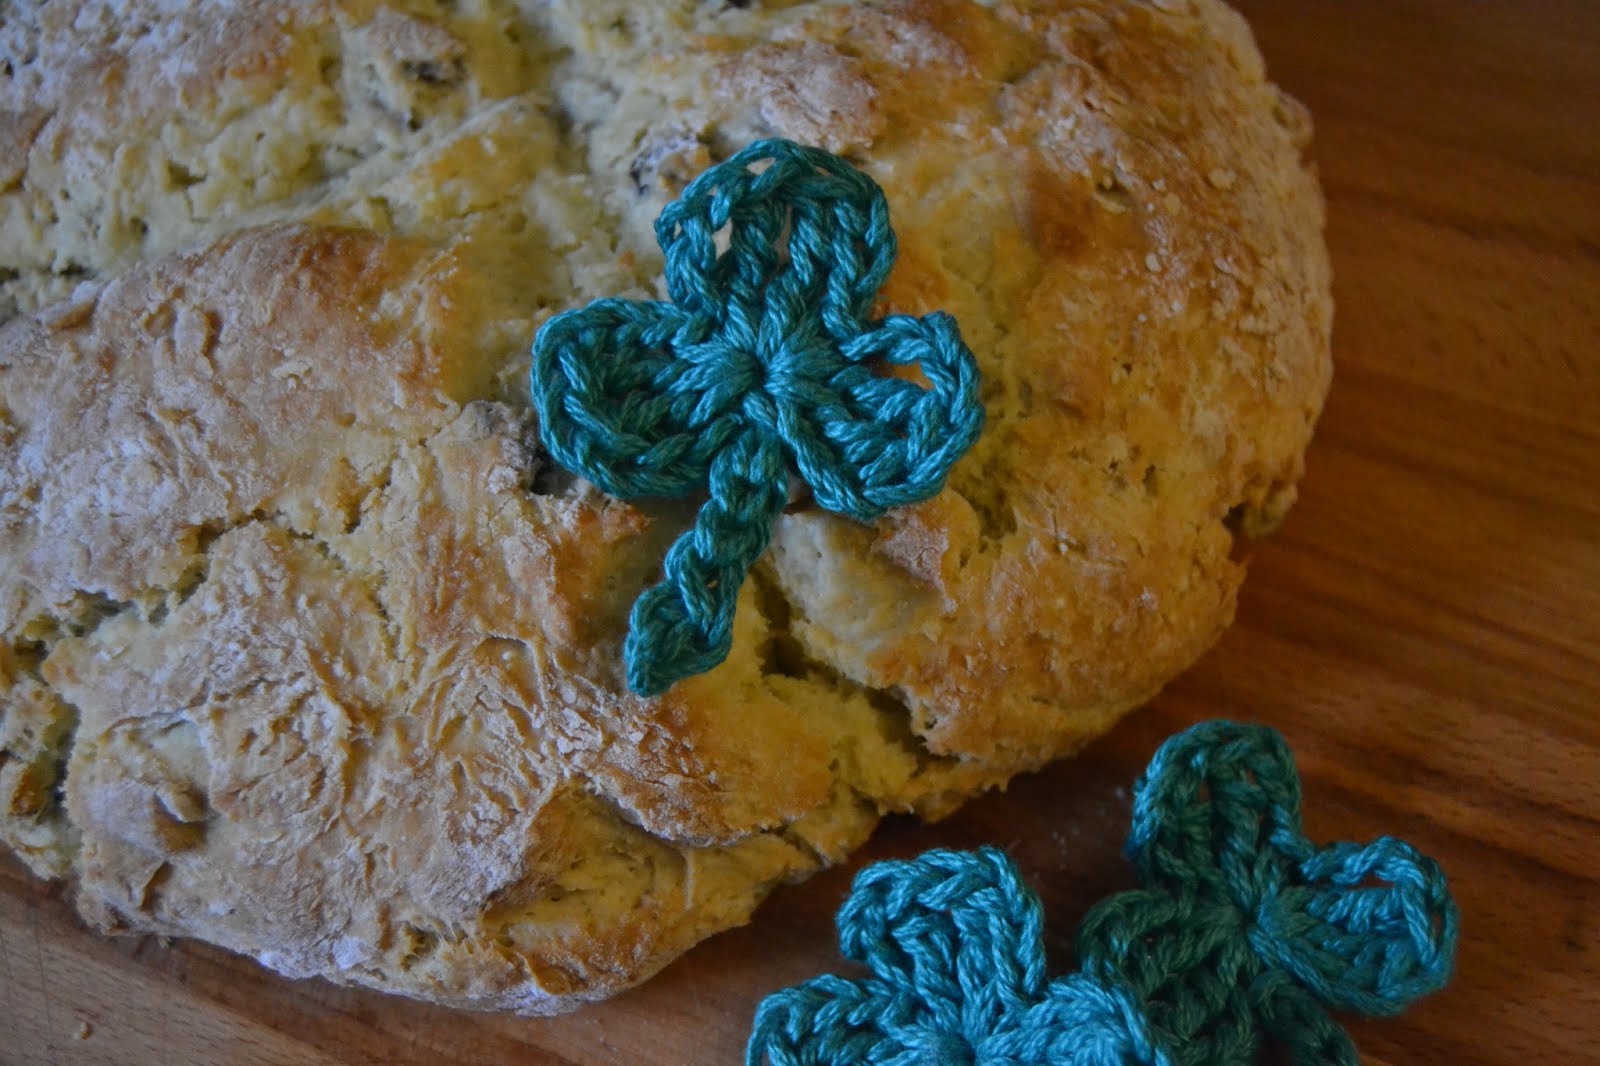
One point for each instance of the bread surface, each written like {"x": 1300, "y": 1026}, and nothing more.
{"x": 309, "y": 651}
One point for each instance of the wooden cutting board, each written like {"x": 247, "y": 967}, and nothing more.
{"x": 1425, "y": 628}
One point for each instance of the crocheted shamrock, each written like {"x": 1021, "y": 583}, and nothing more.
{"x": 1243, "y": 931}
{"x": 763, "y": 360}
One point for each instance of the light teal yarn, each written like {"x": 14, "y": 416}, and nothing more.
{"x": 762, "y": 362}
{"x": 1244, "y": 932}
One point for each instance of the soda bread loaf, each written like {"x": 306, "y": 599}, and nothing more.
{"x": 310, "y": 652}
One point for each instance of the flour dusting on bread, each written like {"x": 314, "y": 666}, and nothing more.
{"x": 310, "y": 652}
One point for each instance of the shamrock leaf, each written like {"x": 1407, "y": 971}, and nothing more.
{"x": 763, "y": 362}
{"x": 1243, "y": 930}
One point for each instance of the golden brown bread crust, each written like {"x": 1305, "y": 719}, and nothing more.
{"x": 337, "y": 654}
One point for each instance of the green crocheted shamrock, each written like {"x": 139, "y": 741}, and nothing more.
{"x": 1243, "y": 931}
{"x": 762, "y": 362}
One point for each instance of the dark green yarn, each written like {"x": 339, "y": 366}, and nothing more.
{"x": 763, "y": 362}
{"x": 1242, "y": 932}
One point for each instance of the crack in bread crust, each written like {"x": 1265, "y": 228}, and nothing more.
{"x": 308, "y": 652}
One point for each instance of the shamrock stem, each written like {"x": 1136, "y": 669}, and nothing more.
{"x": 684, "y": 626}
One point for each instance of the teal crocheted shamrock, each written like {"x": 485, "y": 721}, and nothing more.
{"x": 764, "y": 360}
{"x": 1244, "y": 931}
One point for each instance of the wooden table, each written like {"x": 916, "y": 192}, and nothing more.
{"x": 1425, "y": 628}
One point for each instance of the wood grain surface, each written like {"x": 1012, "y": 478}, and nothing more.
{"x": 1425, "y": 628}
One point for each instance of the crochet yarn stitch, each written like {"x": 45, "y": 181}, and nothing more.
{"x": 1243, "y": 931}
{"x": 763, "y": 361}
